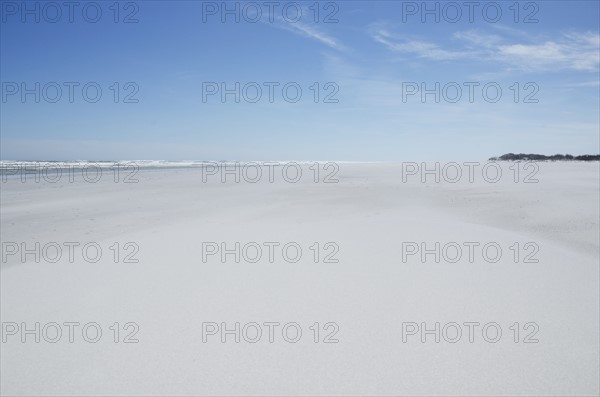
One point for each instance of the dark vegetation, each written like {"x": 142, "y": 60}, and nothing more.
{"x": 541, "y": 157}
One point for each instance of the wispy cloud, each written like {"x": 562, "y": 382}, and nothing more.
{"x": 575, "y": 51}
{"x": 592, "y": 84}
{"x": 311, "y": 32}
{"x": 420, "y": 48}
{"x": 476, "y": 40}
{"x": 570, "y": 51}
{"x": 307, "y": 30}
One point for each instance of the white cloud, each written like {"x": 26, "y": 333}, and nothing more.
{"x": 306, "y": 30}
{"x": 313, "y": 33}
{"x": 477, "y": 39}
{"x": 595, "y": 83}
{"x": 570, "y": 51}
{"x": 575, "y": 51}
{"x": 422, "y": 49}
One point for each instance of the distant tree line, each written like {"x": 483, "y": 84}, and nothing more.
{"x": 541, "y": 157}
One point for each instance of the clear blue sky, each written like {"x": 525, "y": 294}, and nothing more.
{"x": 374, "y": 50}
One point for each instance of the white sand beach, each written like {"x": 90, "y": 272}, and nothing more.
{"x": 363, "y": 292}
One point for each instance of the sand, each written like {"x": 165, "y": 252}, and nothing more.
{"x": 366, "y": 291}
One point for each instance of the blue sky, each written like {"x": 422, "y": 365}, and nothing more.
{"x": 372, "y": 54}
